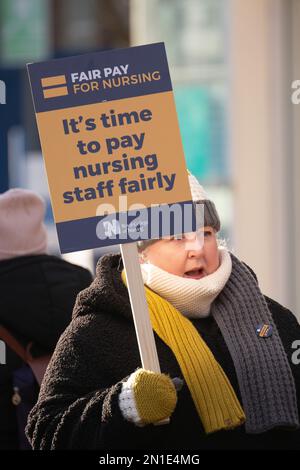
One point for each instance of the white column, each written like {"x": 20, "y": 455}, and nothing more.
{"x": 260, "y": 141}
{"x": 295, "y": 271}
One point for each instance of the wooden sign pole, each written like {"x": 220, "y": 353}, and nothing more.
{"x": 139, "y": 307}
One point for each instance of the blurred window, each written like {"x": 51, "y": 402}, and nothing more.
{"x": 195, "y": 34}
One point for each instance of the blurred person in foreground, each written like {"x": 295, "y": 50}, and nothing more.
{"x": 227, "y": 381}
{"x": 37, "y": 295}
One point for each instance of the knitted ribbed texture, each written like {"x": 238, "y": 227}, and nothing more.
{"x": 265, "y": 378}
{"x": 212, "y": 393}
{"x": 147, "y": 397}
{"x": 192, "y": 297}
{"x": 199, "y": 195}
{"x": 155, "y": 396}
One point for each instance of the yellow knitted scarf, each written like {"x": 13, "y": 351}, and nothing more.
{"x": 214, "y": 398}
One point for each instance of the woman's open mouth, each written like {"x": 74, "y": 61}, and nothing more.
{"x": 195, "y": 273}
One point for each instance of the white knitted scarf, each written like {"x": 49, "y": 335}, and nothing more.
{"x": 192, "y": 297}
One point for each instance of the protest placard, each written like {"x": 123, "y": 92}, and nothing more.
{"x": 110, "y": 140}
{"x": 114, "y": 158}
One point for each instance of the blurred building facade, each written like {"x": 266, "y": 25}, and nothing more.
{"x": 231, "y": 64}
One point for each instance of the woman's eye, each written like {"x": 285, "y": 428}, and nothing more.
{"x": 207, "y": 233}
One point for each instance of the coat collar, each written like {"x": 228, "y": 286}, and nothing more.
{"x": 107, "y": 293}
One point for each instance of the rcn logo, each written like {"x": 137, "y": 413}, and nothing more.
{"x": 54, "y": 86}
{"x": 112, "y": 228}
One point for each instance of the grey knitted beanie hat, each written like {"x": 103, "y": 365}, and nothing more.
{"x": 211, "y": 217}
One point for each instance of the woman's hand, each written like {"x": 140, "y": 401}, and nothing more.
{"x": 147, "y": 397}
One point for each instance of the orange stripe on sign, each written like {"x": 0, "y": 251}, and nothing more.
{"x": 52, "y": 81}
{"x": 52, "y": 92}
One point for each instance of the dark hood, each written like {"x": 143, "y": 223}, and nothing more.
{"x": 37, "y": 296}
{"x": 107, "y": 293}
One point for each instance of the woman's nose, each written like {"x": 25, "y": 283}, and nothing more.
{"x": 194, "y": 243}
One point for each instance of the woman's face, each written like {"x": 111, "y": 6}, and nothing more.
{"x": 192, "y": 256}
